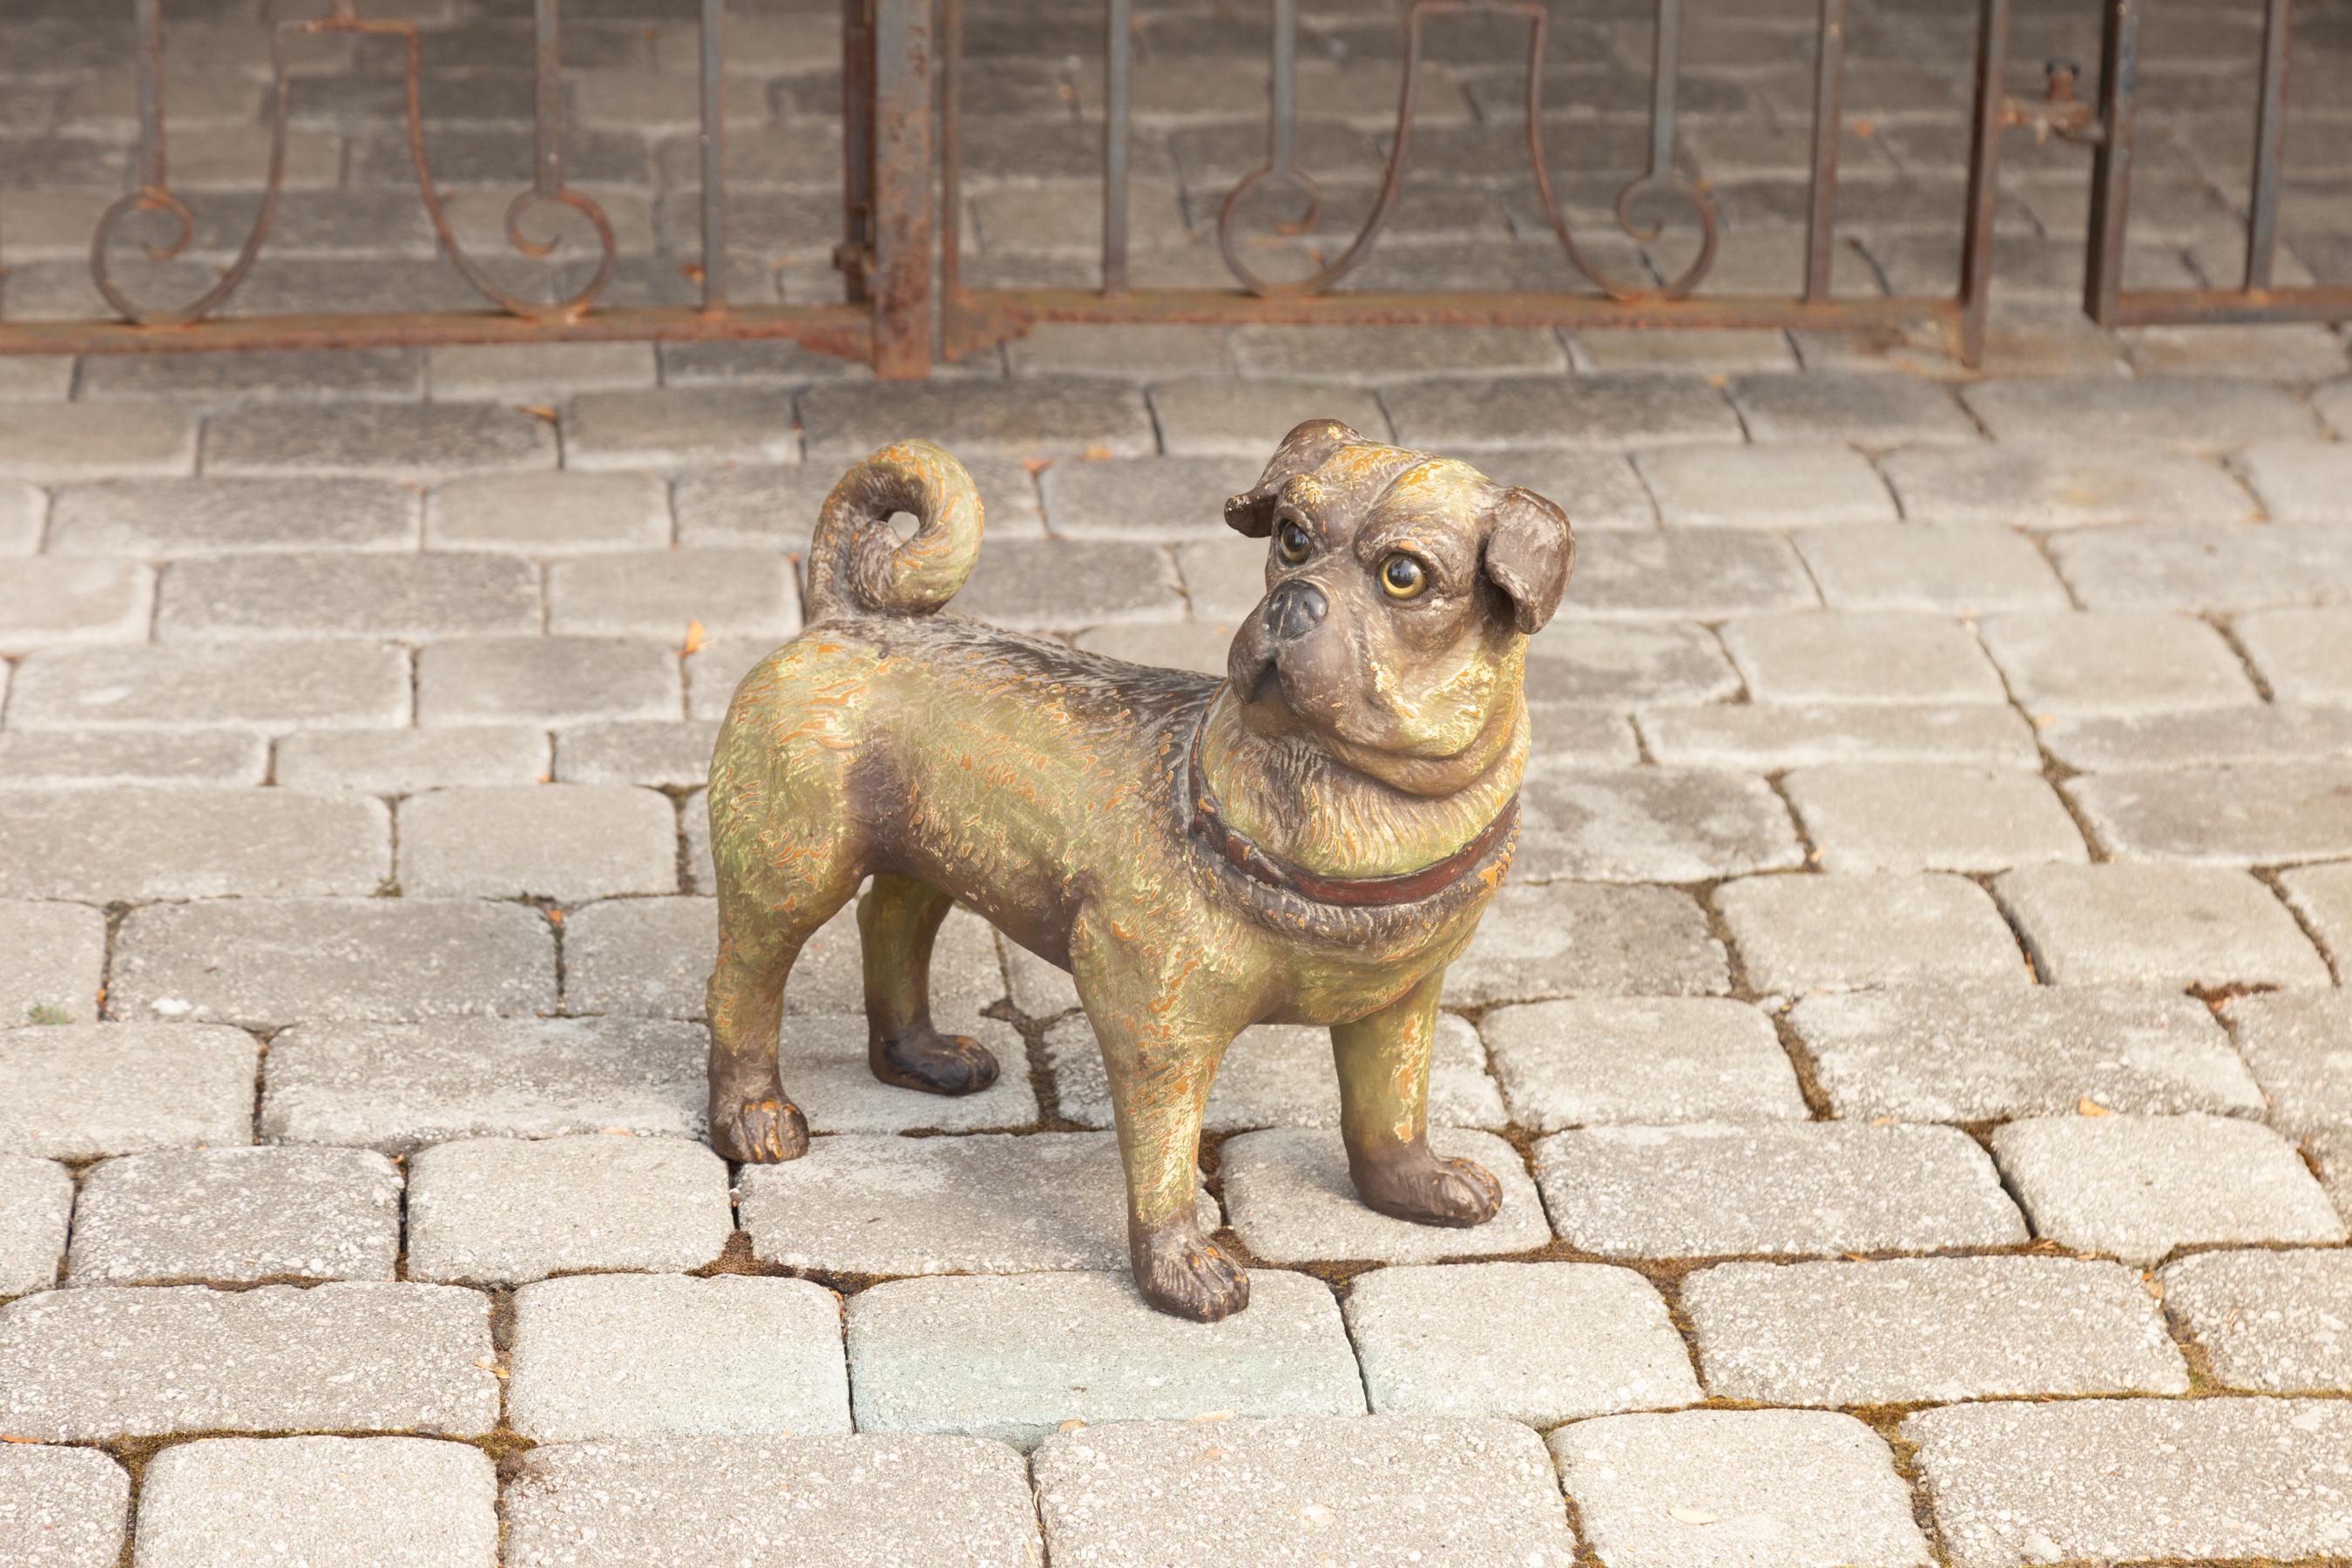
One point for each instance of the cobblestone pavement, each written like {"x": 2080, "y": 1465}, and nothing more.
{"x": 1913, "y": 1041}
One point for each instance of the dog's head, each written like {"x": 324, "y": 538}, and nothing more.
{"x": 1401, "y": 589}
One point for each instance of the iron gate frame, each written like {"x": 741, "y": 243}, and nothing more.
{"x": 884, "y": 319}
{"x": 896, "y": 51}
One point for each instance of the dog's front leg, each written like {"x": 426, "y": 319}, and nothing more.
{"x": 1161, "y": 1057}
{"x": 1383, "y": 1062}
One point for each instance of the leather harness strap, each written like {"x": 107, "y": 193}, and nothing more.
{"x": 1241, "y": 852}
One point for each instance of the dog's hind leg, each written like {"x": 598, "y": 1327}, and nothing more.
{"x": 897, "y": 920}
{"x": 1383, "y": 1061}
{"x": 1160, "y": 1058}
{"x": 752, "y": 1118}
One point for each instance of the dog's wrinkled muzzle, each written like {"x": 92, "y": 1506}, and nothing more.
{"x": 1288, "y": 613}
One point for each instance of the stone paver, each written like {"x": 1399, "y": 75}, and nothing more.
{"x": 2198, "y": 568}
{"x": 2323, "y": 896}
{"x": 2138, "y": 1186}
{"x": 1805, "y": 933}
{"x": 1712, "y": 1190}
{"x": 235, "y": 1216}
{"x": 53, "y": 442}
{"x": 259, "y": 963}
{"x": 505, "y": 1210}
{"x": 82, "y": 759}
{"x": 1910, "y": 1330}
{"x": 166, "y": 518}
{"x": 1569, "y": 938}
{"x": 1155, "y": 498}
{"x": 1957, "y": 1053}
{"x": 1795, "y": 485}
{"x": 49, "y": 600}
{"x": 1277, "y": 1075}
{"x": 1930, "y": 816}
{"x": 416, "y": 1503}
{"x": 2300, "y": 1047}
{"x": 1039, "y": 416}
{"x": 2277, "y": 1323}
{"x": 548, "y": 681}
{"x": 2131, "y": 1479}
{"x": 1291, "y": 1201}
{"x": 36, "y": 1198}
{"x": 661, "y": 593}
{"x": 1373, "y": 1490}
{"x": 414, "y": 598}
{"x": 1035, "y": 1352}
{"x": 2254, "y": 733}
{"x": 75, "y": 1091}
{"x": 2304, "y": 656}
{"x": 623, "y": 1355}
{"x": 51, "y": 960}
{"x": 2300, "y": 481}
{"x": 271, "y": 687}
{"x": 1625, "y": 664}
{"x": 674, "y": 427}
{"x": 1762, "y": 737}
{"x": 397, "y": 1087}
{"x": 674, "y": 754}
{"x": 137, "y": 1361}
{"x": 1650, "y": 825}
{"x": 1738, "y": 1489}
{"x": 1692, "y": 573}
{"x": 190, "y": 843}
{"x": 1868, "y": 410}
{"x": 2257, "y": 814}
{"x": 2115, "y": 662}
{"x": 563, "y": 513}
{"x": 410, "y": 762}
{"x": 1609, "y": 412}
{"x": 865, "y": 1501}
{"x": 982, "y": 1205}
{"x": 1641, "y": 1059}
{"x": 2191, "y": 413}
{"x": 1217, "y": 417}
{"x": 1538, "y": 1342}
{"x": 2062, "y": 488}
{"x": 825, "y": 1068}
{"x": 1959, "y": 569}
{"x": 62, "y": 1508}
{"x": 418, "y": 442}
{"x": 566, "y": 842}
{"x": 1860, "y": 656}
{"x": 2156, "y": 925}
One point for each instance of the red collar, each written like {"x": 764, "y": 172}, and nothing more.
{"x": 1243, "y": 854}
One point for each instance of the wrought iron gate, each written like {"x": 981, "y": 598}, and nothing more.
{"x": 892, "y": 51}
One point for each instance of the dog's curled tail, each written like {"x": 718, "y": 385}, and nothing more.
{"x": 857, "y": 560}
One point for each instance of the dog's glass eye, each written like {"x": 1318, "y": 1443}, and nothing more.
{"x": 1403, "y": 577}
{"x": 1291, "y": 543}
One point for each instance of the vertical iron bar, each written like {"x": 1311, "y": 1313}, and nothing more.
{"x": 1117, "y": 47}
{"x": 856, "y": 148}
{"x": 1984, "y": 169}
{"x": 1829, "y": 82}
{"x": 2270, "y": 147}
{"x": 547, "y": 99}
{"x": 714, "y": 154}
{"x": 902, "y": 188}
{"x": 149, "y": 16}
{"x": 1284, "y": 86}
{"x": 2103, "y": 275}
{"x": 952, "y": 157}
{"x": 1666, "y": 68}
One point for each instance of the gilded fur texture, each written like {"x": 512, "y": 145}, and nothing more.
{"x": 1310, "y": 839}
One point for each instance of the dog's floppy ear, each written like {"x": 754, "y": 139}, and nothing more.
{"x": 1301, "y": 452}
{"x": 1529, "y": 553}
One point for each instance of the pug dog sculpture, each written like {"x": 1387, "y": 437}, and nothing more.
{"x": 1310, "y": 839}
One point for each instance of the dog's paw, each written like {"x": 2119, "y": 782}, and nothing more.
{"x": 760, "y": 1131}
{"x": 1185, "y": 1274}
{"x": 1419, "y": 1186}
{"x": 934, "y": 1063}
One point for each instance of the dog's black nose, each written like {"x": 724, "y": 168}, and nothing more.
{"x": 1296, "y": 609}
